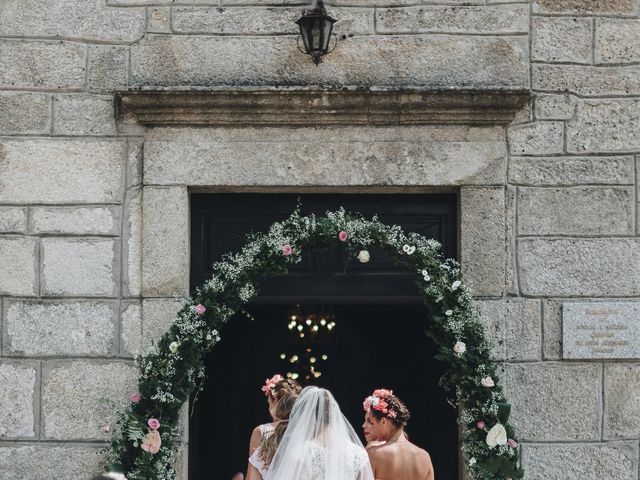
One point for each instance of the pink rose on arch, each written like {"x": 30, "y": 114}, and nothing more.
{"x": 487, "y": 382}
{"x": 135, "y": 398}
{"x": 343, "y": 236}
{"x": 151, "y": 442}
{"x": 153, "y": 423}
{"x": 200, "y": 309}
{"x": 512, "y": 443}
{"x": 287, "y": 250}
{"x": 481, "y": 425}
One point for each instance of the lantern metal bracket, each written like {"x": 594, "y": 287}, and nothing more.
{"x": 317, "y": 59}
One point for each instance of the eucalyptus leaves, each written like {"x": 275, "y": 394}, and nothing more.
{"x": 173, "y": 370}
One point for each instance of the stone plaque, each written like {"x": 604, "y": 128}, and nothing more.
{"x": 601, "y": 330}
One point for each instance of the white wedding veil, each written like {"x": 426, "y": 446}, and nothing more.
{"x": 319, "y": 443}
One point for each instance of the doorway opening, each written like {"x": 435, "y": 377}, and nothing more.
{"x": 378, "y": 339}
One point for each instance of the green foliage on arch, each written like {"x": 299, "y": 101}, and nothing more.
{"x": 173, "y": 370}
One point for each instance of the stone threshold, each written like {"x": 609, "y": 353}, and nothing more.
{"x": 315, "y": 106}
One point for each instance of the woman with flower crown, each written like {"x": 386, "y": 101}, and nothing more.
{"x": 395, "y": 456}
{"x": 275, "y": 389}
{"x": 319, "y": 443}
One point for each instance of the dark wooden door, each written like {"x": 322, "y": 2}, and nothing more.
{"x": 220, "y": 224}
{"x": 379, "y": 338}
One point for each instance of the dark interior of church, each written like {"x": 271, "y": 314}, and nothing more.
{"x": 371, "y": 346}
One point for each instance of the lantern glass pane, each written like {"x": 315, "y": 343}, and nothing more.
{"x": 328, "y": 27}
{"x": 316, "y": 35}
{"x": 306, "y": 37}
{"x": 304, "y": 33}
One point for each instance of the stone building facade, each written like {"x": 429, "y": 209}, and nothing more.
{"x": 537, "y": 128}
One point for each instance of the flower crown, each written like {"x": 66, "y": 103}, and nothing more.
{"x": 270, "y": 384}
{"x": 378, "y": 402}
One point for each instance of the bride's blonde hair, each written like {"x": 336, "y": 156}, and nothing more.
{"x": 282, "y": 411}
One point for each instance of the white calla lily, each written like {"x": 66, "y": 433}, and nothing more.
{"x": 497, "y": 436}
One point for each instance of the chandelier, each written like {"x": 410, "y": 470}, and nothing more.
{"x": 310, "y": 332}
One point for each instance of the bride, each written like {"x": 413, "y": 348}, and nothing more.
{"x": 319, "y": 443}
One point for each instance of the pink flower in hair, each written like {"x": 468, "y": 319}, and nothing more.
{"x": 512, "y": 443}
{"x": 382, "y": 393}
{"x": 480, "y": 425}
{"x": 270, "y": 383}
{"x": 343, "y": 236}
{"x": 381, "y": 406}
{"x": 378, "y": 403}
{"x": 287, "y": 250}
{"x": 153, "y": 423}
{"x": 200, "y": 309}
{"x": 135, "y": 398}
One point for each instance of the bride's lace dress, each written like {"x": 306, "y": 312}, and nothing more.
{"x": 353, "y": 460}
{"x": 319, "y": 443}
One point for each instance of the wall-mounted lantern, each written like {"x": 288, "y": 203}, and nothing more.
{"x": 316, "y": 28}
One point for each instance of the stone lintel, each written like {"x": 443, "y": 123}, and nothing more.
{"x": 307, "y": 106}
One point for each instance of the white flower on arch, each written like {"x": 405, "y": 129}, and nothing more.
{"x": 497, "y": 436}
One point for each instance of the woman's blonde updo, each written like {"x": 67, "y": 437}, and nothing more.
{"x": 285, "y": 387}
{"x": 281, "y": 413}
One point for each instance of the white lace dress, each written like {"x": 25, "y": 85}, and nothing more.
{"x": 266, "y": 430}
{"x": 352, "y": 459}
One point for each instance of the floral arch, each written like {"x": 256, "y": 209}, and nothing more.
{"x": 145, "y": 441}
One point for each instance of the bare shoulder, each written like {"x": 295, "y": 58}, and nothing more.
{"x": 256, "y": 433}
{"x": 420, "y": 454}
{"x": 373, "y": 444}
{"x": 377, "y": 450}
{"x": 255, "y": 440}
{"x": 424, "y": 456}
{"x": 373, "y": 448}
{"x": 383, "y": 450}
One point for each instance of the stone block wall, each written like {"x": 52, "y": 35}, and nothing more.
{"x": 69, "y": 176}
{"x": 549, "y": 208}
{"x": 573, "y": 172}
